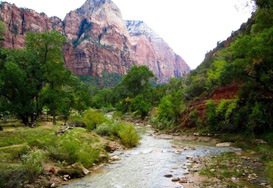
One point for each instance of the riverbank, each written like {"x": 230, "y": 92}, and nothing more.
{"x": 49, "y": 155}
{"x": 160, "y": 160}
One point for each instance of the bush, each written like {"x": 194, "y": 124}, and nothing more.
{"x": 269, "y": 171}
{"x": 72, "y": 172}
{"x": 69, "y": 148}
{"x": 128, "y": 135}
{"x": 93, "y": 118}
{"x": 118, "y": 115}
{"x": 124, "y": 131}
{"x": 104, "y": 130}
{"x": 141, "y": 106}
{"x": 76, "y": 119}
{"x": 211, "y": 116}
{"x": 33, "y": 163}
{"x": 11, "y": 176}
{"x": 166, "y": 109}
{"x": 88, "y": 156}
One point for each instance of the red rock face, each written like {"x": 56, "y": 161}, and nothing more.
{"x": 98, "y": 40}
{"x": 151, "y": 50}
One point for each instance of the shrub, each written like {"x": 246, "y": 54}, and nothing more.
{"x": 33, "y": 163}
{"x": 69, "y": 148}
{"x": 166, "y": 108}
{"x": 211, "y": 116}
{"x": 11, "y": 176}
{"x": 124, "y": 131}
{"x": 76, "y": 119}
{"x": 93, "y": 118}
{"x": 118, "y": 115}
{"x": 72, "y": 172}
{"x": 269, "y": 171}
{"x": 128, "y": 135}
{"x": 87, "y": 156}
{"x": 141, "y": 106}
{"x": 104, "y": 130}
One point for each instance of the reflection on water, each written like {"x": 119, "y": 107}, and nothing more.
{"x": 145, "y": 166}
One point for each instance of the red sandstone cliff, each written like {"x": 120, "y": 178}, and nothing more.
{"x": 98, "y": 40}
{"x": 151, "y": 50}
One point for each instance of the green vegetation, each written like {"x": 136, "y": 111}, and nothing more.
{"x": 35, "y": 85}
{"x": 230, "y": 92}
{"x": 35, "y": 78}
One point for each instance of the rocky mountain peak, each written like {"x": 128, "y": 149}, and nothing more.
{"x": 89, "y": 6}
{"x": 99, "y": 40}
{"x": 138, "y": 27}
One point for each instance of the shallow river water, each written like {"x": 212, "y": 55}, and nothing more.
{"x": 145, "y": 165}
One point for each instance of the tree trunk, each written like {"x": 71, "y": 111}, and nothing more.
{"x": 54, "y": 118}
{"x": 25, "y": 120}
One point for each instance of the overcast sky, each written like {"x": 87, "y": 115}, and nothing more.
{"x": 190, "y": 27}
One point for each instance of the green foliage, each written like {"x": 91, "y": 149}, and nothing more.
{"x": 33, "y": 163}
{"x": 211, "y": 116}
{"x": 72, "y": 147}
{"x": 141, "y": 106}
{"x": 137, "y": 81}
{"x": 72, "y": 172}
{"x": 102, "y": 99}
{"x": 269, "y": 171}
{"x": 36, "y": 77}
{"x": 11, "y": 176}
{"x": 170, "y": 107}
{"x": 108, "y": 80}
{"x": 126, "y": 132}
{"x": 87, "y": 157}
{"x": 105, "y": 129}
{"x": 93, "y": 118}
{"x": 128, "y": 135}
{"x": 76, "y": 119}
{"x": 214, "y": 73}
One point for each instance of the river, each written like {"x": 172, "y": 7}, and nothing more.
{"x": 146, "y": 165}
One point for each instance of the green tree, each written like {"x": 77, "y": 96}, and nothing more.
{"x": 137, "y": 81}
{"x": 141, "y": 106}
{"x": 24, "y": 73}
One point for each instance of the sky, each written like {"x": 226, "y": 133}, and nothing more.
{"x": 191, "y": 27}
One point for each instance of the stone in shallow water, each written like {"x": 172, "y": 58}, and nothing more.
{"x": 224, "y": 144}
{"x": 183, "y": 180}
{"x": 115, "y": 158}
{"x": 168, "y": 175}
{"x": 176, "y": 179}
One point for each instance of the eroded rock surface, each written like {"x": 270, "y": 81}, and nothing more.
{"x": 98, "y": 40}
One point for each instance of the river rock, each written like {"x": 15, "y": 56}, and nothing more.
{"x": 212, "y": 170}
{"x": 115, "y": 158}
{"x": 103, "y": 156}
{"x": 189, "y": 157}
{"x": 196, "y": 134}
{"x": 149, "y": 126}
{"x": 54, "y": 185}
{"x": 168, "y": 175}
{"x": 175, "y": 179}
{"x": 111, "y": 147}
{"x": 260, "y": 141}
{"x": 193, "y": 170}
{"x": 183, "y": 180}
{"x": 224, "y": 144}
{"x": 85, "y": 171}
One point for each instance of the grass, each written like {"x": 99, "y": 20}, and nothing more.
{"x": 224, "y": 166}
{"x": 24, "y": 150}
{"x": 24, "y": 135}
{"x": 125, "y": 132}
